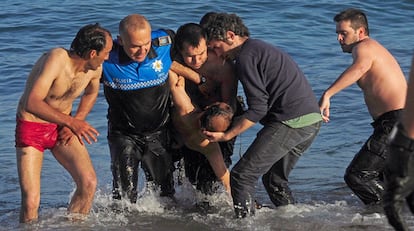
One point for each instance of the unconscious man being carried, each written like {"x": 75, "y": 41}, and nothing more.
{"x": 189, "y": 122}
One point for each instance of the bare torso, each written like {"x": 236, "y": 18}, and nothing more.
{"x": 384, "y": 85}
{"x": 221, "y": 82}
{"x": 64, "y": 86}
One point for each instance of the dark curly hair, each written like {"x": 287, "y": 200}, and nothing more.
{"x": 89, "y": 37}
{"x": 218, "y": 25}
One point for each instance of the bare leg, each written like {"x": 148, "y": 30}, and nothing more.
{"x": 29, "y": 165}
{"x": 75, "y": 159}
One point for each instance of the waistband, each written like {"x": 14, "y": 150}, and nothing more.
{"x": 394, "y": 114}
{"x": 28, "y": 122}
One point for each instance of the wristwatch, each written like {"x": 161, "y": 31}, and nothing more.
{"x": 202, "y": 80}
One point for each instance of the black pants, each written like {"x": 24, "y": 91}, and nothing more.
{"x": 128, "y": 150}
{"x": 364, "y": 174}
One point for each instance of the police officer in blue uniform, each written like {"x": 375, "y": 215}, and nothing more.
{"x": 136, "y": 89}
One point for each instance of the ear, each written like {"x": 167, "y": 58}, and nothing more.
{"x": 92, "y": 54}
{"x": 120, "y": 40}
{"x": 230, "y": 35}
{"x": 361, "y": 32}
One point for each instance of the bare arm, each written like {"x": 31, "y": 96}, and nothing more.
{"x": 181, "y": 100}
{"x": 186, "y": 72}
{"x": 214, "y": 156}
{"x": 89, "y": 96}
{"x": 363, "y": 58}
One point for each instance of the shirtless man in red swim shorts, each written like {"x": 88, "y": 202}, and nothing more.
{"x": 44, "y": 119}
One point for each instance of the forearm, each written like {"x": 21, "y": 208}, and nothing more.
{"x": 85, "y": 105}
{"x": 215, "y": 158}
{"x": 186, "y": 72}
{"x": 44, "y": 111}
{"x": 241, "y": 124}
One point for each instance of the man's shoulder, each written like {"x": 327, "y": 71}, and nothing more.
{"x": 369, "y": 43}
{"x": 162, "y": 37}
{"x": 56, "y": 56}
{"x": 58, "y": 51}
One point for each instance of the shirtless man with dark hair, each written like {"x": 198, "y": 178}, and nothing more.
{"x": 209, "y": 79}
{"x": 188, "y": 121}
{"x": 44, "y": 119}
{"x": 384, "y": 86}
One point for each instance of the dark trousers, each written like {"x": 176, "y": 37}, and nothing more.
{"x": 272, "y": 155}
{"x": 364, "y": 174}
{"x": 128, "y": 150}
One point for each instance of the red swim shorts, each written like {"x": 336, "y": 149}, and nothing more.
{"x": 38, "y": 135}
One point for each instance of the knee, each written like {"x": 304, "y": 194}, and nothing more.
{"x": 350, "y": 178}
{"x": 88, "y": 183}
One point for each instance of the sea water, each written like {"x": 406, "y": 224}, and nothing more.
{"x": 304, "y": 29}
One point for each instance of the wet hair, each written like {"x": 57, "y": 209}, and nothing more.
{"x": 207, "y": 17}
{"x": 357, "y": 17}
{"x": 190, "y": 33}
{"x": 89, "y": 37}
{"x": 218, "y": 25}
{"x": 214, "y": 111}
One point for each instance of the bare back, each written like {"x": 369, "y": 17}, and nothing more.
{"x": 383, "y": 84}
{"x": 53, "y": 80}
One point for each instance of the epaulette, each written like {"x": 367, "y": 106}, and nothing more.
{"x": 164, "y": 40}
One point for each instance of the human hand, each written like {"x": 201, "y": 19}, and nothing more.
{"x": 65, "y": 135}
{"x": 324, "y": 104}
{"x": 215, "y": 136}
{"x": 399, "y": 178}
{"x": 83, "y": 130}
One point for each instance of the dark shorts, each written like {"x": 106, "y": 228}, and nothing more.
{"x": 38, "y": 135}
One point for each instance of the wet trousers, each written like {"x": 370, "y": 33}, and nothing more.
{"x": 128, "y": 151}
{"x": 272, "y": 155}
{"x": 364, "y": 175}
